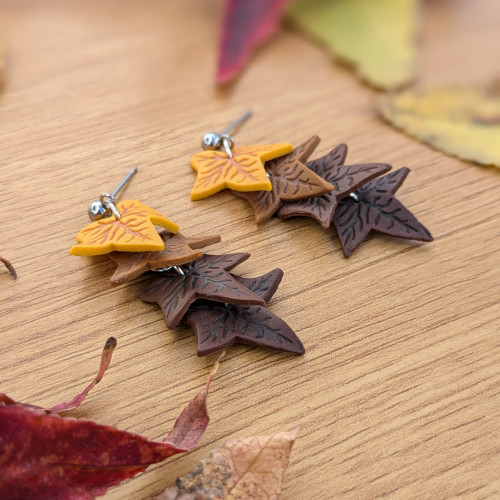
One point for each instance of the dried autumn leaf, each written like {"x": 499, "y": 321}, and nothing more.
{"x": 246, "y": 25}
{"x": 46, "y": 456}
{"x": 244, "y": 171}
{"x": 376, "y": 37}
{"x": 133, "y": 232}
{"x": 9, "y": 267}
{"x": 248, "y": 468}
{"x": 463, "y": 122}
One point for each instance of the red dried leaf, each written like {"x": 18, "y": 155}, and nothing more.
{"x": 45, "y": 456}
{"x": 247, "y": 24}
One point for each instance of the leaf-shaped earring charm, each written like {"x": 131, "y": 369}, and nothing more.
{"x": 240, "y": 169}
{"x": 128, "y": 226}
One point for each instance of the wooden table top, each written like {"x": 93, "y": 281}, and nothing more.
{"x": 397, "y": 394}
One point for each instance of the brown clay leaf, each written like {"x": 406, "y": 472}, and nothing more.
{"x": 247, "y": 468}
{"x": 244, "y": 171}
{"x": 204, "y": 278}
{"x": 134, "y": 232}
{"x": 218, "y": 325}
{"x": 179, "y": 249}
{"x": 344, "y": 178}
{"x": 9, "y": 266}
{"x": 291, "y": 180}
{"x": 376, "y": 208}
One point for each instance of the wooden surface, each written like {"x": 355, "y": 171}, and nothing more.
{"x": 397, "y": 394}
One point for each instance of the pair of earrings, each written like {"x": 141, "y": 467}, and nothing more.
{"x": 222, "y": 308}
{"x": 277, "y": 178}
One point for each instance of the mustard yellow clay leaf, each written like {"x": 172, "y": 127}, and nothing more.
{"x": 134, "y": 232}
{"x": 376, "y": 37}
{"x": 463, "y": 122}
{"x": 249, "y": 468}
{"x": 243, "y": 172}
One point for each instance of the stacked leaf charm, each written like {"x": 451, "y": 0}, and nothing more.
{"x": 351, "y": 198}
{"x": 187, "y": 284}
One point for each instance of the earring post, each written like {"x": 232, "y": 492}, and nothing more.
{"x": 123, "y": 182}
{"x": 236, "y": 123}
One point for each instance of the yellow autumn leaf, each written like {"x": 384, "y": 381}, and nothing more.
{"x": 134, "y": 232}
{"x": 463, "y": 122}
{"x": 244, "y": 171}
{"x": 376, "y": 37}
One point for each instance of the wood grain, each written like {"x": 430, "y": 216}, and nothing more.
{"x": 397, "y": 394}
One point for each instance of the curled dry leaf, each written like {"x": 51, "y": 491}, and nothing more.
{"x": 248, "y": 468}
{"x": 377, "y": 38}
{"x": 9, "y": 266}
{"x": 463, "y": 122}
{"x": 46, "y": 456}
{"x": 246, "y": 25}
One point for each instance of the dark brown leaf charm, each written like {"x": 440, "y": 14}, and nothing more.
{"x": 179, "y": 250}
{"x": 218, "y": 325}
{"x": 377, "y": 209}
{"x": 344, "y": 178}
{"x": 205, "y": 278}
{"x": 291, "y": 180}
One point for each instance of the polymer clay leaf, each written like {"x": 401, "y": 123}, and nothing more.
{"x": 244, "y": 171}
{"x": 179, "y": 249}
{"x": 246, "y": 25}
{"x": 133, "y": 232}
{"x": 463, "y": 122}
{"x": 246, "y": 468}
{"x": 344, "y": 178}
{"x": 204, "y": 278}
{"x": 291, "y": 180}
{"x": 378, "y": 210}
{"x": 45, "y": 456}
{"x": 377, "y": 38}
{"x": 9, "y": 267}
{"x": 219, "y": 325}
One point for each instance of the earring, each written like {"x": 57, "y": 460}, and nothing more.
{"x": 240, "y": 169}
{"x": 187, "y": 284}
{"x": 128, "y": 226}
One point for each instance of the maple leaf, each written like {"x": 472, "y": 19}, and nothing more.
{"x": 377, "y": 209}
{"x": 244, "y": 171}
{"x": 246, "y": 25}
{"x": 291, "y": 180}
{"x": 218, "y": 325}
{"x": 46, "y": 456}
{"x": 179, "y": 249}
{"x": 205, "y": 278}
{"x": 245, "y": 468}
{"x": 9, "y": 267}
{"x": 461, "y": 121}
{"x": 133, "y": 232}
{"x": 344, "y": 178}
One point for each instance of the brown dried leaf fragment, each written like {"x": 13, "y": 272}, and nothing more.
{"x": 9, "y": 266}
{"x": 248, "y": 468}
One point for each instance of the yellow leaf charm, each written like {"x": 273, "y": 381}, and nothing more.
{"x": 134, "y": 232}
{"x": 377, "y": 37}
{"x": 243, "y": 172}
{"x": 463, "y": 122}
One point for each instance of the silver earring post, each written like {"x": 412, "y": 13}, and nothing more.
{"x": 105, "y": 207}
{"x": 213, "y": 141}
